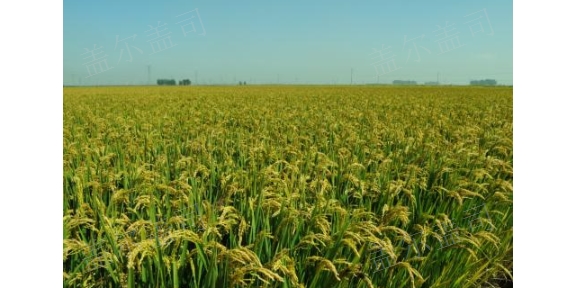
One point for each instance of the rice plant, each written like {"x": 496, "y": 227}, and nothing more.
{"x": 294, "y": 186}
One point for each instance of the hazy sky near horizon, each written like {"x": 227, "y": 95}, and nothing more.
{"x": 260, "y": 42}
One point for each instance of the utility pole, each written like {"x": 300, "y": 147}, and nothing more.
{"x": 438, "y": 78}
{"x": 351, "y": 73}
{"x": 196, "y": 79}
{"x": 149, "y": 81}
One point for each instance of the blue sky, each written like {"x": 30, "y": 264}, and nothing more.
{"x": 260, "y": 42}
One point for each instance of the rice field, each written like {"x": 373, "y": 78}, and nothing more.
{"x": 287, "y": 186}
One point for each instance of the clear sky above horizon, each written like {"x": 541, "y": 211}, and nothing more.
{"x": 260, "y": 42}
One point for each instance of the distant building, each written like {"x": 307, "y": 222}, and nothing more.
{"x": 434, "y": 83}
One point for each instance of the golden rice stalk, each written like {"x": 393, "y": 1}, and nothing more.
{"x": 352, "y": 245}
{"x": 73, "y": 279}
{"x": 334, "y": 206}
{"x": 143, "y": 201}
{"x": 243, "y": 256}
{"x": 491, "y": 238}
{"x": 382, "y": 244}
{"x": 443, "y": 225}
{"x": 286, "y": 265}
{"x": 121, "y": 196}
{"x": 146, "y": 248}
{"x": 291, "y": 220}
{"x": 354, "y": 270}
{"x": 465, "y": 193}
{"x": 354, "y": 237}
{"x": 184, "y": 162}
{"x": 456, "y": 195}
{"x": 501, "y": 197}
{"x": 324, "y": 264}
{"x": 180, "y": 235}
{"x": 398, "y": 231}
{"x": 412, "y": 273}
{"x": 242, "y": 228}
{"x": 320, "y": 222}
{"x": 365, "y": 228}
{"x": 272, "y": 205}
{"x": 505, "y": 185}
{"x": 395, "y": 187}
{"x": 238, "y": 277}
{"x": 79, "y": 190}
{"x": 361, "y": 214}
{"x": 71, "y": 222}
{"x": 73, "y": 246}
{"x": 508, "y": 273}
{"x": 245, "y": 262}
{"x": 167, "y": 189}
{"x": 426, "y": 231}
{"x": 313, "y": 240}
{"x": 228, "y": 219}
{"x": 410, "y": 194}
{"x": 401, "y": 213}
{"x": 480, "y": 174}
{"x": 473, "y": 241}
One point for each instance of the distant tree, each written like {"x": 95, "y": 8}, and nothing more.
{"x": 171, "y": 82}
{"x": 184, "y": 82}
{"x": 244, "y": 82}
{"x": 403, "y": 82}
{"x": 240, "y": 83}
{"x": 485, "y": 82}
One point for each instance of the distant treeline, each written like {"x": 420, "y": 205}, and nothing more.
{"x": 404, "y": 82}
{"x": 485, "y": 82}
{"x": 172, "y": 82}
{"x": 184, "y": 82}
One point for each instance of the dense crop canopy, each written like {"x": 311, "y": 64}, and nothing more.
{"x": 287, "y": 186}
